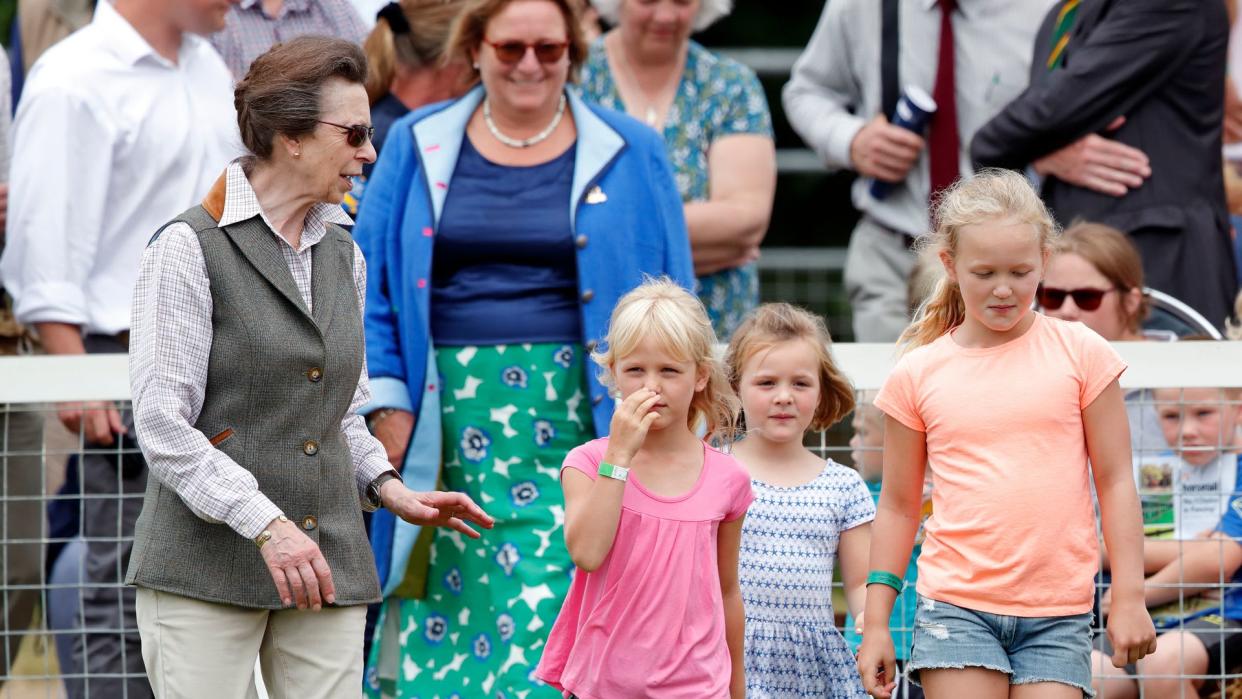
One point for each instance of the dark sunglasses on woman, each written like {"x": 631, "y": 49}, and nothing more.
{"x": 1087, "y": 299}
{"x": 512, "y": 52}
{"x": 355, "y": 135}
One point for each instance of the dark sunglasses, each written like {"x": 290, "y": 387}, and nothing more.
{"x": 1087, "y": 299}
{"x": 511, "y": 52}
{"x": 357, "y": 135}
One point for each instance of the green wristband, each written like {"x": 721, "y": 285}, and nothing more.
{"x": 883, "y": 577}
{"x": 618, "y": 473}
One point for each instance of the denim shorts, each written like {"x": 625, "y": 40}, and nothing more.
{"x": 1028, "y": 649}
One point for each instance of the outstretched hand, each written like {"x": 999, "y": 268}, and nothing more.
{"x": 434, "y": 508}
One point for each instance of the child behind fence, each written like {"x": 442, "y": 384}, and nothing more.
{"x": 867, "y": 452}
{"x": 1193, "y": 590}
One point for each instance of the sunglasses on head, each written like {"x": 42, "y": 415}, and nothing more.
{"x": 512, "y": 52}
{"x": 356, "y": 135}
{"x": 1087, "y": 299}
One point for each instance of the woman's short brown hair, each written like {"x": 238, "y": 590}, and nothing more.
{"x": 468, "y": 31}
{"x": 281, "y": 92}
{"x": 1112, "y": 253}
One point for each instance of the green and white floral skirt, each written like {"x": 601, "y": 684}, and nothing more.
{"x": 510, "y": 415}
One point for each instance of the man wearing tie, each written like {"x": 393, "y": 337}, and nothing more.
{"x": 1148, "y": 75}
{"x": 970, "y": 55}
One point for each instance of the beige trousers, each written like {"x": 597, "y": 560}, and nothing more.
{"x": 201, "y": 649}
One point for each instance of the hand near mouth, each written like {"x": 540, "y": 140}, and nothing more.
{"x": 630, "y": 422}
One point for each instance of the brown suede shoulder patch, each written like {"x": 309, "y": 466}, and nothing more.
{"x": 213, "y": 203}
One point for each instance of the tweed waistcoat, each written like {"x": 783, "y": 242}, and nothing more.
{"x": 279, "y": 381}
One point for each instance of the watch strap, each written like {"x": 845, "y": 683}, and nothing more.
{"x": 373, "y": 488}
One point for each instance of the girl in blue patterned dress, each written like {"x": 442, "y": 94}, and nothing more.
{"x": 805, "y": 514}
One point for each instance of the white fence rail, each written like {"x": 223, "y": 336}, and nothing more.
{"x": 33, "y": 385}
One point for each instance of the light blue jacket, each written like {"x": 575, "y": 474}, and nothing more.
{"x": 627, "y": 222}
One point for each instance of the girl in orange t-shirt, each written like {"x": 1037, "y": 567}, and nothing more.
{"x": 1006, "y": 406}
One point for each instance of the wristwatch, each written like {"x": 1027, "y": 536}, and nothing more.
{"x": 266, "y": 535}
{"x": 619, "y": 473}
{"x": 373, "y": 488}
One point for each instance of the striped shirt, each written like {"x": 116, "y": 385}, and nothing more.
{"x": 170, "y": 346}
{"x": 249, "y": 32}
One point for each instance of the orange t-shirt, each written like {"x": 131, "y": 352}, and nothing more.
{"x": 1012, "y": 529}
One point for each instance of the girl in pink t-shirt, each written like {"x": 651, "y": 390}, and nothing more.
{"x": 1006, "y": 407}
{"x": 653, "y": 519}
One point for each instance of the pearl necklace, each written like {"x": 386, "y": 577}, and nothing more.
{"x": 522, "y": 142}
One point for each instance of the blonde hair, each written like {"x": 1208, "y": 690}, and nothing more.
{"x": 419, "y": 44}
{"x": 924, "y": 276}
{"x": 1114, "y": 256}
{"x": 709, "y": 11}
{"x": 468, "y": 31}
{"x": 661, "y": 310}
{"x": 774, "y": 323}
{"x": 992, "y": 195}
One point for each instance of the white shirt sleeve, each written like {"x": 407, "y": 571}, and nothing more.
{"x": 61, "y": 169}
{"x": 822, "y": 91}
{"x": 6, "y": 119}
{"x": 170, "y": 345}
{"x": 370, "y": 459}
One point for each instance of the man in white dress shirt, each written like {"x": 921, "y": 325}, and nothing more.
{"x": 833, "y": 101}
{"x": 121, "y": 126}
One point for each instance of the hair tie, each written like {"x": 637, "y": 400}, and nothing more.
{"x": 395, "y": 16}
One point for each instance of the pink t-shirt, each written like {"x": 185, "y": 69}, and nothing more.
{"x": 649, "y": 622}
{"x": 1012, "y": 529}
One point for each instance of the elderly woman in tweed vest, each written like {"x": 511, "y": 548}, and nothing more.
{"x": 248, "y": 369}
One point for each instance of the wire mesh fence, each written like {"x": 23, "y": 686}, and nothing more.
{"x": 67, "y": 507}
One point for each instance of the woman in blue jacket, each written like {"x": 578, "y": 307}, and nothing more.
{"x": 500, "y": 229}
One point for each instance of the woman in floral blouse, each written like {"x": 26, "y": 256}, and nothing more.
{"x": 715, "y": 121}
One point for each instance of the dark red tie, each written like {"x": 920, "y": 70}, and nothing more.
{"x": 943, "y": 143}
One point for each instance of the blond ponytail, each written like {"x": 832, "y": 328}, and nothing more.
{"x": 940, "y": 313}
{"x": 381, "y": 60}
{"x": 411, "y": 33}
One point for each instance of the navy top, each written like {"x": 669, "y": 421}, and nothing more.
{"x": 504, "y": 268}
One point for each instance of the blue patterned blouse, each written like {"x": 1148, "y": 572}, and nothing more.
{"x": 716, "y": 97}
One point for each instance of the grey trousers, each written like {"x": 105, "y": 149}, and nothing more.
{"x": 877, "y": 279}
{"x": 109, "y": 650}
{"x": 21, "y": 523}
